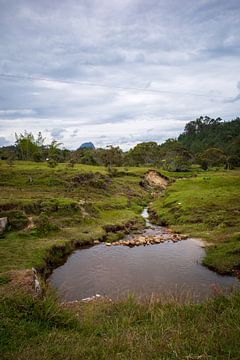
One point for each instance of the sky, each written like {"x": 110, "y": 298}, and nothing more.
{"x": 116, "y": 72}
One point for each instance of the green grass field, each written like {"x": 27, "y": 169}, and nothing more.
{"x": 74, "y": 212}
{"x": 53, "y": 211}
{"x": 207, "y": 207}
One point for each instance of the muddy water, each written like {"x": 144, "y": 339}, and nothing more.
{"x": 160, "y": 269}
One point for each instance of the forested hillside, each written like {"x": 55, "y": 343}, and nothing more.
{"x": 204, "y": 133}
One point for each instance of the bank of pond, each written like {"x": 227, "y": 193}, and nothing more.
{"x": 170, "y": 266}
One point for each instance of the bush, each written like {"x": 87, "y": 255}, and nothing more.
{"x": 204, "y": 164}
{"x": 44, "y": 226}
{"x": 10, "y": 161}
{"x": 71, "y": 163}
{"x": 232, "y": 162}
{"x": 112, "y": 172}
{"x": 37, "y": 156}
{"x": 215, "y": 157}
{"x": 52, "y": 163}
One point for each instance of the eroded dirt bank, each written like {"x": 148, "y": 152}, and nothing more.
{"x": 155, "y": 179}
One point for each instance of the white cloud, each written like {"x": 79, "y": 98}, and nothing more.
{"x": 17, "y": 112}
{"x": 184, "y": 55}
{"x": 3, "y": 141}
{"x": 57, "y": 133}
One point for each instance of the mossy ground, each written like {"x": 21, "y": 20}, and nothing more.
{"x": 76, "y": 213}
{"x": 41, "y": 328}
{"x": 208, "y": 207}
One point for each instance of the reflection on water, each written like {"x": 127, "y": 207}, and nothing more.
{"x": 145, "y": 270}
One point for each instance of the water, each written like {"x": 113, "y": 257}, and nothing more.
{"x": 159, "y": 269}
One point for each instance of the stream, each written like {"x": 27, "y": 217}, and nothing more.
{"x": 162, "y": 270}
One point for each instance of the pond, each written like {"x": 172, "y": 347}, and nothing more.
{"x": 164, "y": 269}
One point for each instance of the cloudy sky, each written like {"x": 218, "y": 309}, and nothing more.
{"x": 116, "y": 71}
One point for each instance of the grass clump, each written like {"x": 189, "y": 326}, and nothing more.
{"x": 44, "y": 225}
{"x": 224, "y": 257}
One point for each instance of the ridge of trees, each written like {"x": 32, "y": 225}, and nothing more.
{"x": 205, "y": 133}
{"x": 205, "y": 141}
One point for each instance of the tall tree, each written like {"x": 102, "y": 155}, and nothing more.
{"x": 26, "y": 146}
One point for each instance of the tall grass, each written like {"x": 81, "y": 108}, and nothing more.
{"x": 42, "y": 329}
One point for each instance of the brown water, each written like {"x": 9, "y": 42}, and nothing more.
{"x": 115, "y": 271}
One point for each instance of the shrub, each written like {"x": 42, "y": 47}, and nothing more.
{"x": 112, "y": 172}
{"x": 71, "y": 163}
{"x": 52, "y": 163}
{"x": 232, "y": 162}
{"x": 44, "y": 225}
{"x": 204, "y": 164}
{"x": 10, "y": 161}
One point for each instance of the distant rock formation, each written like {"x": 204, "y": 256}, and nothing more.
{"x": 87, "y": 145}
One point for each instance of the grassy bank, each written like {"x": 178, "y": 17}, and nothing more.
{"x": 53, "y": 211}
{"x": 42, "y": 329}
{"x": 208, "y": 207}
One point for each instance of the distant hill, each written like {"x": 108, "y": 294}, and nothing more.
{"x": 87, "y": 145}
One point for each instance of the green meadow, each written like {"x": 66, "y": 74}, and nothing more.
{"x": 51, "y": 212}
{"x": 206, "y": 207}
{"x": 67, "y": 211}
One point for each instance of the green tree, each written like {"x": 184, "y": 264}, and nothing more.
{"x": 112, "y": 156}
{"x": 7, "y": 152}
{"x": 146, "y": 153}
{"x": 175, "y": 157}
{"x": 54, "y": 153}
{"x": 85, "y": 156}
{"x": 26, "y": 146}
{"x": 29, "y": 148}
{"x": 205, "y": 133}
{"x": 215, "y": 157}
{"x": 176, "y": 161}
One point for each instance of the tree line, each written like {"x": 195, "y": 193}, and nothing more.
{"x": 205, "y": 141}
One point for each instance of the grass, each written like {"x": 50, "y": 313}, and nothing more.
{"x": 208, "y": 207}
{"x": 41, "y": 328}
{"x": 80, "y": 212}
{"x": 225, "y": 258}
